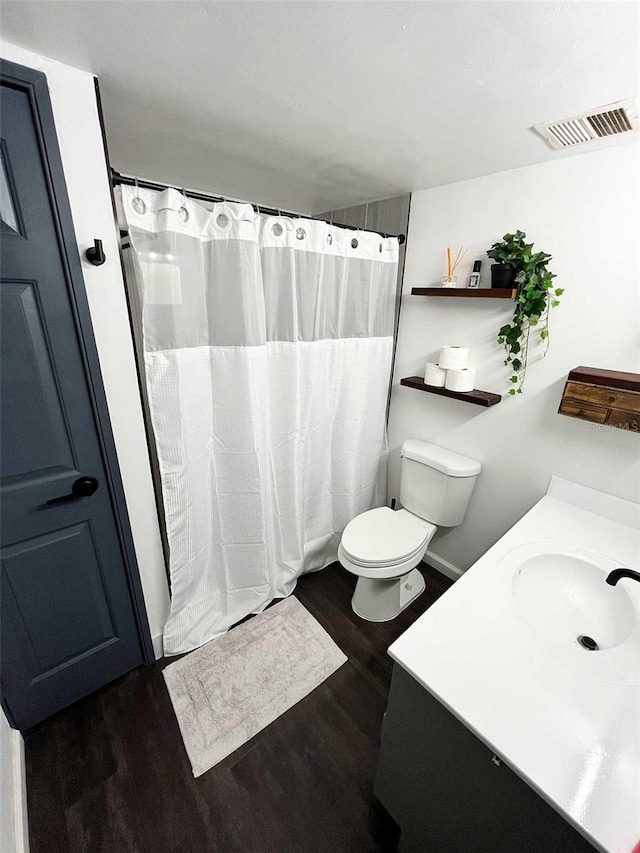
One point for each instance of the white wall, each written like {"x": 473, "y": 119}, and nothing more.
{"x": 74, "y": 107}
{"x": 14, "y": 837}
{"x": 583, "y": 210}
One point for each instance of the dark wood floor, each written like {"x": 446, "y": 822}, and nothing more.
{"x": 110, "y": 774}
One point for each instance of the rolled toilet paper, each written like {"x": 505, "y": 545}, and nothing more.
{"x": 461, "y": 380}
{"x": 434, "y": 375}
{"x": 453, "y": 358}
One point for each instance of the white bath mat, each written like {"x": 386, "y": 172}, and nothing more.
{"x": 227, "y": 691}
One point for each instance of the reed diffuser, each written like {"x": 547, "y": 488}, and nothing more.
{"x": 451, "y": 279}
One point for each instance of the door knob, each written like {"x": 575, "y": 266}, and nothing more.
{"x": 83, "y": 487}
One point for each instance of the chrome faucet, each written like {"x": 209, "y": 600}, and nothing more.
{"x": 614, "y": 576}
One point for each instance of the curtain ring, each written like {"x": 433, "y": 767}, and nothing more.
{"x": 300, "y": 231}
{"x": 329, "y": 236}
{"x": 137, "y": 203}
{"x": 277, "y": 228}
{"x": 330, "y": 229}
{"x": 183, "y": 211}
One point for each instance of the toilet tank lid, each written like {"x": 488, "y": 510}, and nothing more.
{"x": 450, "y": 463}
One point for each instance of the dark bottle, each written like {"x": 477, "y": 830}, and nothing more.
{"x": 474, "y": 278}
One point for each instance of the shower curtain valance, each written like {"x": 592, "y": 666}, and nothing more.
{"x": 302, "y": 279}
{"x": 267, "y": 350}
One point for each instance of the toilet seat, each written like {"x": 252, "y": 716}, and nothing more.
{"x": 383, "y": 538}
{"x": 388, "y": 564}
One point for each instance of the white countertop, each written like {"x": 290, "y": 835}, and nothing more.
{"x": 565, "y": 719}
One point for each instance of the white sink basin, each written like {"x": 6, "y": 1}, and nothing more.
{"x": 563, "y": 596}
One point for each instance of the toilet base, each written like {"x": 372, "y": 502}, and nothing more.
{"x": 382, "y": 600}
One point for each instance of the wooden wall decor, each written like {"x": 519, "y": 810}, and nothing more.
{"x": 609, "y": 397}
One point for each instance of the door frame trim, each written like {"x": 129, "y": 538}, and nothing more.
{"x": 34, "y": 84}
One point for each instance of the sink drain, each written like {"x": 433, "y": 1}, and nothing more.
{"x": 588, "y": 643}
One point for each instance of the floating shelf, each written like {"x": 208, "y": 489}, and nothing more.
{"x": 466, "y": 292}
{"x": 479, "y": 398}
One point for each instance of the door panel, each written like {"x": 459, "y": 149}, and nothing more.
{"x": 10, "y": 218}
{"x": 29, "y": 392}
{"x": 41, "y": 594}
{"x": 69, "y": 621}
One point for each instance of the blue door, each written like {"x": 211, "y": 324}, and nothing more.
{"x": 71, "y": 613}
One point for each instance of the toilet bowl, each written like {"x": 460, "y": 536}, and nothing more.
{"x": 382, "y": 547}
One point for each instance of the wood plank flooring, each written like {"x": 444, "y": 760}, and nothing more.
{"x": 110, "y": 774}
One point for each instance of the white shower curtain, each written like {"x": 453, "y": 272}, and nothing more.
{"x": 267, "y": 350}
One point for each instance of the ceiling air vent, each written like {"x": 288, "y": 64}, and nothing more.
{"x": 611, "y": 120}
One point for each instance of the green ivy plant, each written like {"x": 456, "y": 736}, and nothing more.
{"x": 535, "y": 295}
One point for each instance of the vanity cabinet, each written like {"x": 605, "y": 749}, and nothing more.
{"x": 449, "y": 793}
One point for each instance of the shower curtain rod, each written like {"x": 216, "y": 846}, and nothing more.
{"x": 127, "y": 180}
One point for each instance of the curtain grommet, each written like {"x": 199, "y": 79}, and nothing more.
{"x": 300, "y": 233}
{"x": 183, "y": 214}
{"x": 354, "y": 243}
{"x": 137, "y": 205}
{"x": 222, "y": 220}
{"x": 277, "y": 228}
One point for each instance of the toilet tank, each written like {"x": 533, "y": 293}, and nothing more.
{"x": 436, "y": 484}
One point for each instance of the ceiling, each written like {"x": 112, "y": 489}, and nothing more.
{"x": 316, "y": 105}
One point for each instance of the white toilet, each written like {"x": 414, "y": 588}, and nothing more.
{"x": 383, "y": 547}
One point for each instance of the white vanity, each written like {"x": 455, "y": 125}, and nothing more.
{"x": 506, "y": 729}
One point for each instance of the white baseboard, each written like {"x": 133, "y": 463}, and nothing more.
{"x": 21, "y": 826}
{"x": 158, "y": 646}
{"x": 444, "y": 567}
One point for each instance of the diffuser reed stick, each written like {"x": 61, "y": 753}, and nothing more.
{"x": 453, "y": 266}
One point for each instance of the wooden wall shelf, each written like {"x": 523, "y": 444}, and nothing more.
{"x": 478, "y": 398}
{"x": 608, "y": 397}
{"x": 467, "y": 292}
